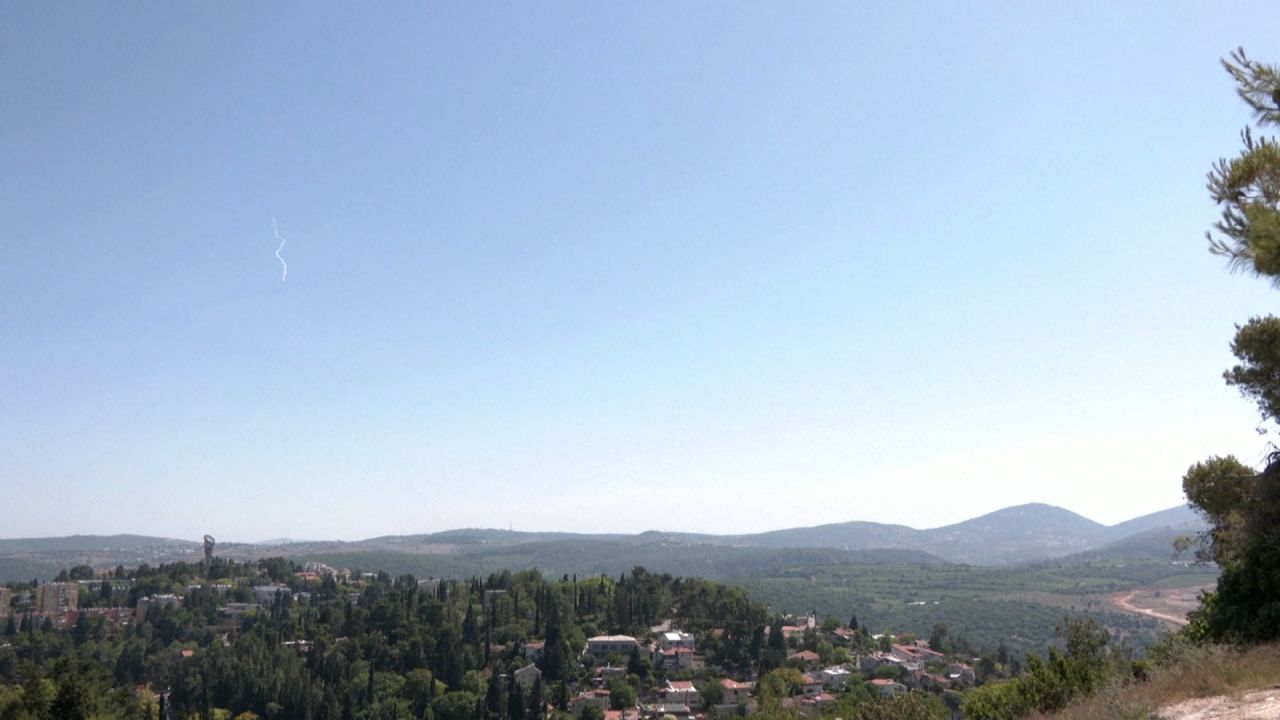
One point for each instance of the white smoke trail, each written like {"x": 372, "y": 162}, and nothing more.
{"x": 284, "y": 275}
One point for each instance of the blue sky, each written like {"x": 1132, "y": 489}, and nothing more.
{"x": 611, "y": 266}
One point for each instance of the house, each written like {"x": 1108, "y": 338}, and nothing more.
{"x": 682, "y": 692}
{"x": 527, "y": 675}
{"x": 675, "y": 639}
{"x": 266, "y": 594}
{"x": 658, "y": 710}
{"x": 602, "y": 646}
{"x": 794, "y": 631}
{"x": 735, "y": 693}
{"x": 607, "y": 673}
{"x": 819, "y": 702}
{"x": 842, "y": 636}
{"x": 887, "y": 687}
{"x": 598, "y": 697}
{"x": 812, "y": 684}
{"x": 804, "y": 656}
{"x": 958, "y": 672}
{"x": 915, "y": 654}
{"x": 629, "y": 714}
{"x": 932, "y": 682}
{"x": 834, "y": 677}
{"x": 532, "y": 649}
{"x": 675, "y": 658}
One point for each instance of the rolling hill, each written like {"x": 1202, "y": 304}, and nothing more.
{"x": 1014, "y": 535}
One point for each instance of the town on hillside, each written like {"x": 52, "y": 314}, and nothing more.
{"x": 512, "y": 646}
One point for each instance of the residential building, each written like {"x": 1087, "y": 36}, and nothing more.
{"x": 914, "y": 654}
{"x": 597, "y": 697}
{"x": 675, "y": 639}
{"x": 53, "y": 597}
{"x": 819, "y": 702}
{"x": 812, "y": 684}
{"x": 804, "y": 656}
{"x": 834, "y": 677}
{"x": 266, "y": 594}
{"x": 154, "y": 601}
{"x": 735, "y": 693}
{"x": 6, "y": 598}
{"x": 887, "y": 687}
{"x": 234, "y": 610}
{"x": 533, "y": 649}
{"x": 602, "y": 646}
{"x": 655, "y": 711}
{"x": 682, "y": 692}
{"x": 527, "y": 675}
{"x": 675, "y": 658}
{"x": 960, "y": 673}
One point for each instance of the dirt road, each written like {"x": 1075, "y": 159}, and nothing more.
{"x": 1264, "y": 705}
{"x": 1126, "y": 603}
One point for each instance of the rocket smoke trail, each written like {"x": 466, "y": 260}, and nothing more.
{"x": 284, "y": 275}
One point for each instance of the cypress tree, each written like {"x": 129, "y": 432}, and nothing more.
{"x": 515, "y": 701}
{"x": 495, "y": 704}
{"x": 470, "y": 632}
{"x": 553, "y": 656}
{"x": 537, "y": 704}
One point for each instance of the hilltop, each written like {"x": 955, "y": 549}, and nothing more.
{"x": 1014, "y": 535}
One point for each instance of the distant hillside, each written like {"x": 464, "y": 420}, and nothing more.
{"x": 1015, "y": 535}
{"x": 84, "y": 543}
{"x": 1180, "y": 517}
{"x": 611, "y": 557}
{"x": 1154, "y": 544}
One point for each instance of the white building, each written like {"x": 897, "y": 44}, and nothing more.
{"x": 834, "y": 677}
{"x": 602, "y": 646}
{"x": 675, "y": 639}
{"x": 683, "y": 692}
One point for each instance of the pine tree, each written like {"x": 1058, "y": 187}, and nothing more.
{"x": 71, "y": 701}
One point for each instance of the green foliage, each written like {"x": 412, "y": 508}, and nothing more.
{"x": 454, "y": 706}
{"x": 621, "y": 696}
{"x": 1243, "y": 506}
{"x": 983, "y": 606}
{"x": 1257, "y": 347}
{"x": 1248, "y": 186}
{"x": 779, "y": 684}
{"x": 1048, "y": 685}
{"x": 1246, "y": 606}
{"x": 911, "y": 706}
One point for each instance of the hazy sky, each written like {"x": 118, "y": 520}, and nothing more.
{"x": 611, "y": 266}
